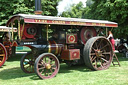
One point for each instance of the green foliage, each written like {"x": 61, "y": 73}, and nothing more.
{"x": 11, "y": 7}
{"x": 75, "y": 12}
{"x": 49, "y": 7}
{"x": 113, "y": 10}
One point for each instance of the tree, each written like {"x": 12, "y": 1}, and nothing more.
{"x": 113, "y": 10}
{"x": 11, "y": 7}
{"x": 49, "y": 7}
{"x": 76, "y": 11}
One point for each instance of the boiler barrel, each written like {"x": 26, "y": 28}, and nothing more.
{"x": 55, "y": 48}
{"x": 50, "y": 47}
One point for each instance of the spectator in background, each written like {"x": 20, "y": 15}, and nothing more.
{"x": 100, "y": 32}
{"x": 111, "y": 38}
{"x": 7, "y": 36}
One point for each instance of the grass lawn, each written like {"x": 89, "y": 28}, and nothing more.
{"x": 11, "y": 74}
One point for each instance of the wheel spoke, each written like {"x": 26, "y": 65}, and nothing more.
{"x": 25, "y": 64}
{"x": 94, "y": 49}
{"x": 95, "y": 64}
{"x": 2, "y": 54}
{"x": 39, "y": 64}
{"x": 104, "y": 59}
{"x": 100, "y": 43}
{"x": 41, "y": 68}
{"x": 49, "y": 61}
{"x": 42, "y": 71}
{"x": 107, "y": 53}
{"x": 101, "y": 63}
{"x": 54, "y": 68}
{"x": 45, "y": 59}
{"x": 51, "y": 70}
{"x": 32, "y": 68}
{"x": 104, "y": 46}
{"x": 43, "y": 63}
{"x": 53, "y": 64}
{"x": 46, "y": 72}
{"x": 96, "y": 45}
{"x": 92, "y": 59}
{"x": 93, "y": 53}
{"x": 28, "y": 67}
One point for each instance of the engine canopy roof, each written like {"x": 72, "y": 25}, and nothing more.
{"x": 39, "y": 19}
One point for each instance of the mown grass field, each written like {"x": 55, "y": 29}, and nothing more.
{"x": 11, "y": 74}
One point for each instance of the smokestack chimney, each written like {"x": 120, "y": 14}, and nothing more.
{"x": 38, "y": 10}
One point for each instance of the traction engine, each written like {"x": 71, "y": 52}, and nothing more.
{"x": 55, "y": 40}
{"x": 7, "y": 48}
{"x": 71, "y": 48}
{"x": 72, "y": 41}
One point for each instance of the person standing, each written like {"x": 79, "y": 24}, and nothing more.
{"x": 100, "y": 32}
{"x": 111, "y": 38}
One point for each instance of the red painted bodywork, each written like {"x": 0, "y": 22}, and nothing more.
{"x": 70, "y": 54}
{"x": 24, "y": 33}
{"x": 87, "y": 33}
{"x": 71, "y": 38}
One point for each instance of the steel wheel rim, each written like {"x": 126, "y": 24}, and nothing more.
{"x": 47, "y": 66}
{"x": 27, "y": 63}
{"x": 99, "y": 54}
{"x": 3, "y": 54}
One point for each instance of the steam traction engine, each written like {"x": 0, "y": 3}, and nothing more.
{"x": 72, "y": 41}
{"x": 7, "y": 48}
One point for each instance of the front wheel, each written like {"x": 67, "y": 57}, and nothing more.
{"x": 46, "y": 66}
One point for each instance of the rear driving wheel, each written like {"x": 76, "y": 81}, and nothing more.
{"x": 3, "y": 54}
{"x": 46, "y": 66}
{"x": 98, "y": 53}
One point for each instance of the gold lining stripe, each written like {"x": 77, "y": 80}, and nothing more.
{"x": 56, "y": 48}
{"x": 12, "y": 31}
{"x": 2, "y": 54}
{"x": 22, "y": 30}
{"x": 49, "y": 47}
{"x": 19, "y": 29}
{"x": 47, "y": 32}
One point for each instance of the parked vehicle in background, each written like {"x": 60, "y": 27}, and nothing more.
{"x": 6, "y": 44}
{"x": 122, "y": 47}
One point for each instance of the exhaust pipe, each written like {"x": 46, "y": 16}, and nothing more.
{"x": 38, "y": 10}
